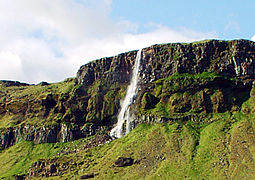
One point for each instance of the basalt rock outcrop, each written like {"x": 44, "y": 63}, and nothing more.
{"x": 224, "y": 75}
{"x": 44, "y": 114}
{"x": 115, "y": 69}
{"x": 231, "y": 58}
{"x": 45, "y": 134}
{"x": 176, "y": 81}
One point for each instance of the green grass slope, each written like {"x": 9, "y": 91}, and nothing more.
{"x": 17, "y": 159}
{"x": 222, "y": 148}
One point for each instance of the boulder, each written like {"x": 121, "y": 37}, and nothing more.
{"x": 124, "y": 161}
{"x": 53, "y": 168}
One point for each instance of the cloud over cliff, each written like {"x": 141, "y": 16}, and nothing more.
{"x": 49, "y": 40}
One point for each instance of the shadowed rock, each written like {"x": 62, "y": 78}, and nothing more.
{"x": 124, "y": 161}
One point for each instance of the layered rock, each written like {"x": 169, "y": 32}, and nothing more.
{"x": 46, "y": 134}
{"x": 112, "y": 69}
{"x": 231, "y": 58}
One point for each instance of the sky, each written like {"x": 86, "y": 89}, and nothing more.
{"x": 48, "y": 40}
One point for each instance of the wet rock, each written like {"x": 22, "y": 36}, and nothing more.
{"x": 234, "y": 58}
{"x": 124, "y": 161}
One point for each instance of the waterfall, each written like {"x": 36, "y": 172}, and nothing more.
{"x": 124, "y": 117}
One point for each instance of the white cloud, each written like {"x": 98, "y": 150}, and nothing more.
{"x": 253, "y": 38}
{"x": 49, "y": 40}
{"x": 10, "y": 65}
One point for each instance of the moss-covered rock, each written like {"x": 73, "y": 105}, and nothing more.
{"x": 149, "y": 101}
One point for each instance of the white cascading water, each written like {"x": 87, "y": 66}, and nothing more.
{"x": 124, "y": 115}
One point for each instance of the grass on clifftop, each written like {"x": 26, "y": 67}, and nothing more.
{"x": 16, "y": 99}
{"x": 35, "y": 90}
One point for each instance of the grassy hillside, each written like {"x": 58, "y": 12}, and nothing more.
{"x": 222, "y": 148}
{"x": 17, "y": 159}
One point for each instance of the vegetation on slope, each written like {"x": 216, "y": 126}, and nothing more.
{"x": 222, "y": 148}
{"x": 17, "y": 159}
{"x": 184, "y": 94}
{"x": 32, "y": 104}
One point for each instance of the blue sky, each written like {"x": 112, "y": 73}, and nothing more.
{"x": 229, "y": 19}
{"x": 48, "y": 40}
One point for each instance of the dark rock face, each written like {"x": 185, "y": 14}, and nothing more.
{"x": 44, "y": 169}
{"x": 45, "y": 134}
{"x": 113, "y": 69}
{"x": 52, "y": 169}
{"x": 232, "y": 58}
{"x": 149, "y": 101}
{"x": 124, "y": 161}
{"x": 48, "y": 103}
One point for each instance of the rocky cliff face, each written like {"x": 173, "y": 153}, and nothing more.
{"x": 220, "y": 67}
{"x": 231, "y": 58}
{"x": 176, "y": 82}
{"x": 45, "y": 134}
{"x": 115, "y": 69}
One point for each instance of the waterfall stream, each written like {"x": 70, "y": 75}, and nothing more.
{"x": 124, "y": 119}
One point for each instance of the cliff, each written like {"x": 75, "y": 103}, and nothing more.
{"x": 197, "y": 100}
{"x": 174, "y": 79}
{"x": 230, "y": 58}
